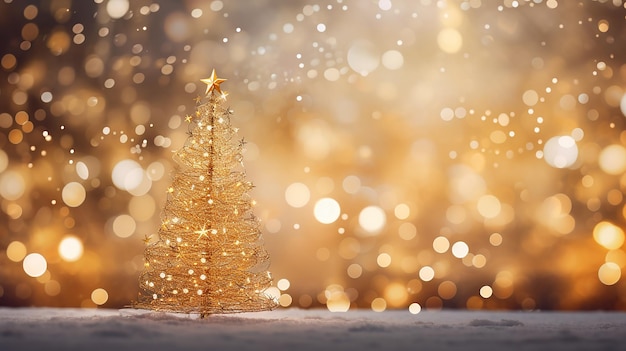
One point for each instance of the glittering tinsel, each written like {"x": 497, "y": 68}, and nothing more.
{"x": 209, "y": 256}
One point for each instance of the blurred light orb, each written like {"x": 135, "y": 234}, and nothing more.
{"x": 608, "y": 235}
{"x": 4, "y": 161}
{"x": 52, "y": 288}
{"x": 622, "y": 105}
{"x": 489, "y": 206}
{"x": 82, "y": 170}
{"x": 396, "y": 294}
{"x": 35, "y": 265}
{"x": 446, "y": 114}
{"x": 127, "y": 175}
{"x": 326, "y": 210}
{"x": 383, "y": 260}
{"x": 285, "y": 300}
{"x": 447, "y": 290}
{"x": 456, "y": 214}
{"x": 384, "y": 5}
{"x": 379, "y": 304}
{"x": 392, "y": 59}
{"x": 12, "y": 185}
{"x": 337, "y": 300}
{"x": 354, "y": 270}
{"x": 415, "y": 308}
{"x": 609, "y": 273}
{"x": 73, "y": 194}
{"x": 283, "y": 284}
{"x": 217, "y": 5}
{"x": 196, "y": 13}
{"x": 351, "y": 184}
{"x": 316, "y": 138}
{"x": 560, "y": 151}
{"x": 155, "y": 171}
{"x": 441, "y": 244}
{"x": 612, "y": 159}
{"x": 332, "y": 74}
{"x": 144, "y": 185}
{"x": 450, "y": 40}
{"x": 372, "y": 219}
{"x": 426, "y": 273}
{"x": 16, "y": 251}
{"x": 460, "y": 249}
{"x": 124, "y": 226}
{"x": 402, "y": 211}
{"x": 99, "y": 296}
{"x": 466, "y": 184}
{"x": 486, "y": 291}
{"x": 71, "y": 248}
{"x": 530, "y": 97}
{"x": 273, "y": 225}
{"x": 177, "y": 27}
{"x": 407, "y": 231}
{"x": 363, "y": 57}
{"x": 616, "y": 256}
{"x": 495, "y": 239}
{"x": 117, "y": 8}
{"x": 498, "y": 136}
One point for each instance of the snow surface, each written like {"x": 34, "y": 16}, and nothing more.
{"x": 48, "y": 329}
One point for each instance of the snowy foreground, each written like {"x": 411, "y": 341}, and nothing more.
{"x": 99, "y": 329}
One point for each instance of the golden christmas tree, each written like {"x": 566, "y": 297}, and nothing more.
{"x": 209, "y": 256}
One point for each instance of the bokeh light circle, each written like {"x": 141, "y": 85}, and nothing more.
{"x": 12, "y": 185}
{"x": 4, "y": 161}
{"x": 460, "y": 249}
{"x": 489, "y": 206}
{"x": 16, "y": 251}
{"x": 124, "y": 226}
{"x": 608, "y": 235}
{"x": 73, "y": 194}
{"x": 363, "y": 57}
{"x": 450, "y": 40}
{"x": 372, "y": 219}
{"x": 297, "y": 195}
{"x": 99, "y": 296}
{"x": 415, "y": 308}
{"x": 560, "y": 151}
{"x": 609, "y": 273}
{"x": 35, "y": 265}
{"x": 117, "y": 8}
{"x": 393, "y": 60}
{"x": 326, "y": 210}
{"x": 71, "y": 248}
{"x": 612, "y": 159}
{"x": 426, "y": 273}
{"x": 127, "y": 175}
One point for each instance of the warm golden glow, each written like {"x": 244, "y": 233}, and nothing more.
{"x": 395, "y": 145}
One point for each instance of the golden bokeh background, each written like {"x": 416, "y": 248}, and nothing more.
{"x": 406, "y": 154}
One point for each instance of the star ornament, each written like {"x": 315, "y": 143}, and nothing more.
{"x": 213, "y": 83}
{"x": 202, "y": 232}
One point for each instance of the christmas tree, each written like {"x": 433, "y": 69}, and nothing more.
{"x": 209, "y": 256}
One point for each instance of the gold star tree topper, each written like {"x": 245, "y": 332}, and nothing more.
{"x": 213, "y": 83}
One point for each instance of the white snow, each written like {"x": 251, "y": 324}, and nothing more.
{"x": 291, "y": 329}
